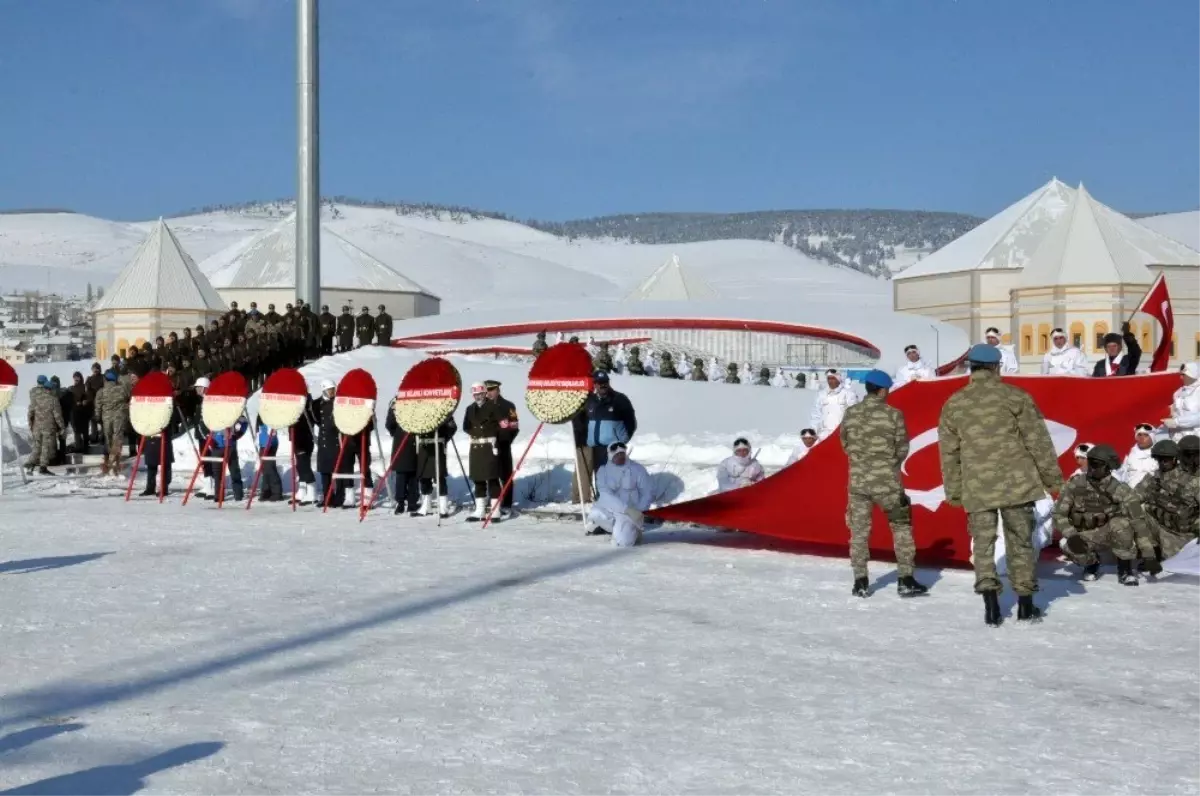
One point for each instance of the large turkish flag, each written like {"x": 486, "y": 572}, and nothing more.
{"x": 806, "y": 502}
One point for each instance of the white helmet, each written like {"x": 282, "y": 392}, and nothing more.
{"x": 327, "y": 384}
{"x": 203, "y": 382}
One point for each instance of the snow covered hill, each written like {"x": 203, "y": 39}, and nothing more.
{"x": 472, "y": 263}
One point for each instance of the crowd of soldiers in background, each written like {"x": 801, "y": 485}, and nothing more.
{"x": 250, "y": 342}
{"x": 662, "y": 364}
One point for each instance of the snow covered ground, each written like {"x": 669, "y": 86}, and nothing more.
{"x": 197, "y": 650}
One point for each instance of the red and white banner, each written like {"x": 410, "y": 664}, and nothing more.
{"x": 1157, "y": 304}
{"x": 583, "y": 383}
{"x": 806, "y": 503}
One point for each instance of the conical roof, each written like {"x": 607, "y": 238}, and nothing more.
{"x": 672, "y": 282}
{"x": 1006, "y": 240}
{"x": 1093, "y": 244}
{"x": 268, "y": 260}
{"x": 161, "y": 275}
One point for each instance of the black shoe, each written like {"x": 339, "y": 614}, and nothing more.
{"x": 148, "y": 491}
{"x": 909, "y": 587}
{"x": 1026, "y": 610}
{"x": 593, "y": 532}
{"x": 1091, "y": 572}
{"x": 991, "y": 609}
{"x": 44, "y": 471}
{"x": 862, "y": 587}
{"x": 1150, "y": 566}
{"x": 1125, "y": 574}
{"x": 399, "y": 509}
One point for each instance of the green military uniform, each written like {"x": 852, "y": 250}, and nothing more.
{"x": 731, "y": 374}
{"x": 666, "y": 368}
{"x": 634, "y": 364}
{"x": 603, "y": 359}
{"x": 112, "y": 410}
{"x": 383, "y": 327}
{"x": 764, "y": 378}
{"x": 1104, "y": 514}
{"x": 45, "y": 424}
{"x": 997, "y": 461}
{"x": 539, "y": 344}
{"x": 1172, "y": 511}
{"x": 698, "y": 373}
{"x": 875, "y": 440}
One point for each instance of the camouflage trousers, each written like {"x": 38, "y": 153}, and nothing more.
{"x": 1168, "y": 541}
{"x": 1018, "y": 548}
{"x": 1116, "y": 535}
{"x": 899, "y": 515}
{"x": 113, "y": 429}
{"x": 45, "y": 445}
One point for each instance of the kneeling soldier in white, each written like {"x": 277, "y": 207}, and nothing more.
{"x": 624, "y": 493}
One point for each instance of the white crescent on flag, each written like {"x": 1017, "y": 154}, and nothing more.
{"x": 1061, "y": 435}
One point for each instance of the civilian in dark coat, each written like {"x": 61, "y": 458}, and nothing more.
{"x": 302, "y": 443}
{"x": 1115, "y": 362}
{"x": 329, "y": 443}
{"x": 81, "y": 412}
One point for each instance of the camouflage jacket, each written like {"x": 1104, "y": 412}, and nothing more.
{"x": 113, "y": 401}
{"x": 1085, "y": 505}
{"x": 876, "y": 443}
{"x": 995, "y": 449}
{"x": 1172, "y": 499}
{"x": 45, "y": 412}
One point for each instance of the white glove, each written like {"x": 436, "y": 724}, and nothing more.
{"x": 1170, "y": 423}
{"x": 635, "y": 515}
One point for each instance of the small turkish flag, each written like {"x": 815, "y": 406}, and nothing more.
{"x": 1157, "y": 304}
{"x": 806, "y": 503}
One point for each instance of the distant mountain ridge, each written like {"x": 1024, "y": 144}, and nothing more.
{"x": 864, "y": 240}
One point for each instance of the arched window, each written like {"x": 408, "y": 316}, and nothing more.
{"x": 1043, "y": 338}
{"x": 1006, "y": 338}
{"x": 1078, "y": 332}
{"x": 1026, "y": 339}
{"x": 122, "y": 346}
{"x": 1099, "y": 329}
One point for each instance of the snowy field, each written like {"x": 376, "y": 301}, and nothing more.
{"x": 190, "y": 649}
{"x": 197, "y": 650}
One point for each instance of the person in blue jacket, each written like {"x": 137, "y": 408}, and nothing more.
{"x": 219, "y": 443}
{"x": 607, "y": 417}
{"x": 270, "y": 489}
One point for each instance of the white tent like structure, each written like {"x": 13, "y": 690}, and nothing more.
{"x": 1058, "y": 258}
{"x": 672, "y": 282}
{"x": 1093, "y": 244}
{"x": 160, "y": 291}
{"x": 263, "y": 270}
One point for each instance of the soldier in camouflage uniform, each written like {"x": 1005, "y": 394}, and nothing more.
{"x": 603, "y": 359}
{"x": 666, "y": 368}
{"x": 731, "y": 374}
{"x": 698, "y": 373}
{"x": 764, "y": 377}
{"x": 997, "y": 461}
{"x": 112, "y": 410}
{"x": 45, "y": 423}
{"x": 634, "y": 364}
{"x": 876, "y": 443}
{"x": 1170, "y": 499}
{"x": 801, "y": 381}
{"x": 539, "y": 344}
{"x": 1096, "y": 511}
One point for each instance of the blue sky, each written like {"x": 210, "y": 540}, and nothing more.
{"x": 568, "y": 108}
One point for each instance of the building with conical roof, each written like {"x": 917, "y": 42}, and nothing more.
{"x": 672, "y": 282}
{"x": 160, "y": 291}
{"x": 263, "y": 270}
{"x": 1056, "y": 259}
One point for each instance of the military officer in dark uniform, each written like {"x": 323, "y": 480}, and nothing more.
{"x": 482, "y": 423}
{"x": 272, "y": 317}
{"x": 383, "y": 327}
{"x": 328, "y": 327}
{"x": 365, "y": 327}
{"x": 345, "y": 330}
{"x": 509, "y": 429}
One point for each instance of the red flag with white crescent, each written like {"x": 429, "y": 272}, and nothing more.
{"x": 1157, "y": 304}
{"x": 806, "y": 503}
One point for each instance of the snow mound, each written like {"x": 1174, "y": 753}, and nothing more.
{"x": 1183, "y": 227}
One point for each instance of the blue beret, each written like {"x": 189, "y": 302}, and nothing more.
{"x": 877, "y": 378}
{"x": 110, "y": 375}
{"x": 42, "y": 380}
{"x": 984, "y": 354}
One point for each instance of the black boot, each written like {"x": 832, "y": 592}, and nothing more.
{"x": 909, "y": 587}
{"x": 1026, "y": 610}
{"x": 862, "y": 587}
{"x": 44, "y": 471}
{"x": 1150, "y": 566}
{"x": 991, "y": 608}
{"x": 1092, "y": 572}
{"x": 1125, "y": 574}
